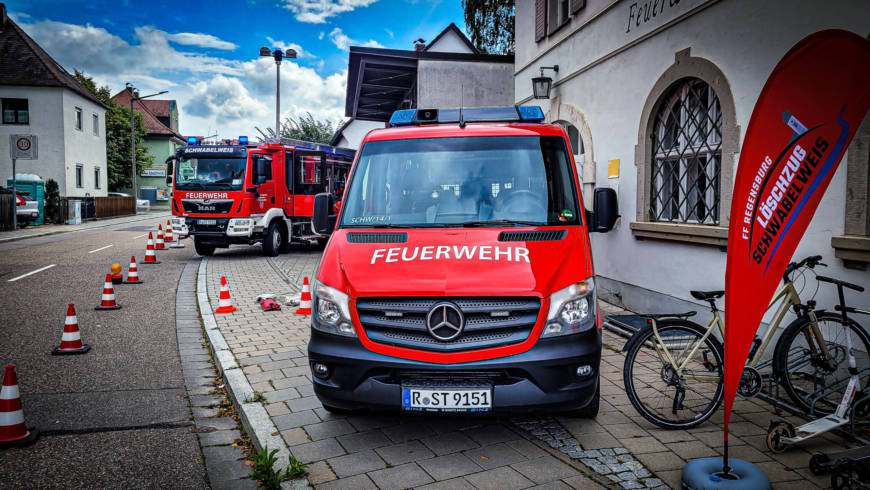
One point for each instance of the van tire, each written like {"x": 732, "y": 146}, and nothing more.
{"x": 201, "y": 248}
{"x": 590, "y": 411}
{"x": 273, "y": 241}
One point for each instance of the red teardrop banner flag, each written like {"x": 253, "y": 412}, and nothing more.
{"x": 803, "y": 121}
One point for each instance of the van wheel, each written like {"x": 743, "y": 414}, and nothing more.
{"x": 273, "y": 241}
{"x": 201, "y": 248}
{"x": 589, "y": 411}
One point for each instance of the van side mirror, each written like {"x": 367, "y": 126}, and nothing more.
{"x": 169, "y": 172}
{"x": 605, "y": 210}
{"x": 322, "y": 218}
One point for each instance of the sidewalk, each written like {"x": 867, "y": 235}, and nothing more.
{"x": 617, "y": 449}
{"x": 44, "y": 230}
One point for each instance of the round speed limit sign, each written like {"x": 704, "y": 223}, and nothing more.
{"x": 23, "y": 144}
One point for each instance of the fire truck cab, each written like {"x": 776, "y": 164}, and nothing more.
{"x": 459, "y": 275}
{"x": 246, "y": 194}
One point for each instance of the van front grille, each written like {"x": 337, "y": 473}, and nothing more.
{"x": 489, "y": 321}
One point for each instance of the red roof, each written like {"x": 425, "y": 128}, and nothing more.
{"x": 159, "y": 108}
{"x": 152, "y": 125}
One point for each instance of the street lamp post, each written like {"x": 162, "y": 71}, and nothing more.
{"x": 134, "y": 96}
{"x": 278, "y": 55}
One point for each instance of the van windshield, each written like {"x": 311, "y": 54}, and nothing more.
{"x": 480, "y": 181}
{"x": 210, "y": 173}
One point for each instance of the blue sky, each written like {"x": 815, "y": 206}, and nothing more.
{"x": 206, "y": 53}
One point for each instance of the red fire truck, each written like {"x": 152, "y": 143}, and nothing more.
{"x": 252, "y": 193}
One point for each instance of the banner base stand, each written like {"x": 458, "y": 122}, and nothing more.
{"x": 707, "y": 473}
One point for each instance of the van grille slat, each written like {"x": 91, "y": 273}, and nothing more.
{"x": 532, "y": 236}
{"x": 356, "y": 237}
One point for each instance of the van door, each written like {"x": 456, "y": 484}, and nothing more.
{"x": 266, "y": 189}
{"x": 309, "y": 180}
{"x": 288, "y": 183}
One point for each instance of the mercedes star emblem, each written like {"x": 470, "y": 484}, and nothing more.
{"x": 445, "y": 321}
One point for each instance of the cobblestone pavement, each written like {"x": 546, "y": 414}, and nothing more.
{"x": 617, "y": 449}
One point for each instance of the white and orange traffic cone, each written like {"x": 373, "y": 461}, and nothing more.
{"x": 150, "y": 256}
{"x": 108, "y": 300}
{"x": 132, "y": 272}
{"x": 304, "y": 300}
{"x": 169, "y": 238}
{"x": 160, "y": 245}
{"x": 13, "y": 430}
{"x": 71, "y": 341}
{"x": 225, "y": 303}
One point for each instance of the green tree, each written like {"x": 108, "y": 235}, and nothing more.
{"x": 118, "y": 137}
{"x": 490, "y": 24}
{"x": 306, "y": 128}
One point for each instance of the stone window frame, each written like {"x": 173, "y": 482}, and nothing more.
{"x": 687, "y": 66}
{"x": 560, "y": 111}
{"x": 853, "y": 246}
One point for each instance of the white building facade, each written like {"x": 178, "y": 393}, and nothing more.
{"x": 656, "y": 96}
{"x": 45, "y": 101}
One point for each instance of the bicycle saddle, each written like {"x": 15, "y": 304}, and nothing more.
{"x": 707, "y": 295}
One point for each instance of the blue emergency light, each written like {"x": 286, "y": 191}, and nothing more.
{"x": 243, "y": 140}
{"x": 191, "y": 140}
{"x": 519, "y": 113}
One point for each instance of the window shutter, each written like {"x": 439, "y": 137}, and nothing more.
{"x": 540, "y": 19}
{"x": 576, "y": 5}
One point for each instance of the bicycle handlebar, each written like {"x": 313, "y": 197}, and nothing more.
{"x": 811, "y": 262}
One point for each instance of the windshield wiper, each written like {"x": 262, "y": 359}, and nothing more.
{"x": 499, "y": 222}
{"x": 192, "y": 183}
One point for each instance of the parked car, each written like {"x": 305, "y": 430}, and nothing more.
{"x": 26, "y": 207}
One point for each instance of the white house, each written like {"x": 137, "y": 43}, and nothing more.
{"x": 636, "y": 79}
{"x": 351, "y": 133}
{"x": 39, "y": 97}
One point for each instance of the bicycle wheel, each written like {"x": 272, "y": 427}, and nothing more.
{"x": 805, "y": 375}
{"x": 664, "y": 396}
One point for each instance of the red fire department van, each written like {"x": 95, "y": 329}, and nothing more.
{"x": 245, "y": 194}
{"x": 459, "y": 274}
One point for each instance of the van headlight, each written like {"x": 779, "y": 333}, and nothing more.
{"x": 572, "y": 310}
{"x": 331, "y": 310}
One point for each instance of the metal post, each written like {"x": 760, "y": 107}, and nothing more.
{"x": 14, "y": 198}
{"x": 133, "y": 147}
{"x": 277, "y": 97}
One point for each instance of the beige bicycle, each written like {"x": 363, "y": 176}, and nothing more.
{"x": 673, "y": 367}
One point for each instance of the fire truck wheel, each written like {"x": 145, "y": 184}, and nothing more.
{"x": 273, "y": 240}
{"x": 201, "y": 248}
{"x": 321, "y": 243}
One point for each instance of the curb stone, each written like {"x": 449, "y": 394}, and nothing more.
{"x": 255, "y": 420}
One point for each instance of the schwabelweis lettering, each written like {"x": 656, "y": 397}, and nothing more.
{"x": 454, "y": 252}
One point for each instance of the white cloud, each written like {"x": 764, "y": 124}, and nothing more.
{"x": 226, "y": 99}
{"x": 343, "y": 42}
{"x": 320, "y": 36}
{"x": 202, "y": 40}
{"x": 390, "y": 33}
{"x": 317, "y": 11}
{"x": 215, "y": 94}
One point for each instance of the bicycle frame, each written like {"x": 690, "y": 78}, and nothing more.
{"x": 789, "y": 298}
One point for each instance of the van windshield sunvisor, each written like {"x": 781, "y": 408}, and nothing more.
{"x": 492, "y": 181}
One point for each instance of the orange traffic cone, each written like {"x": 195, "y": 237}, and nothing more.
{"x": 108, "y": 301}
{"x": 13, "y": 431}
{"x": 133, "y": 272}
{"x": 71, "y": 341}
{"x": 150, "y": 256}
{"x": 169, "y": 238}
{"x": 225, "y": 303}
{"x": 160, "y": 243}
{"x": 304, "y": 300}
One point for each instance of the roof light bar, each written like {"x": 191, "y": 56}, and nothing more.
{"x": 522, "y": 113}
{"x": 191, "y": 140}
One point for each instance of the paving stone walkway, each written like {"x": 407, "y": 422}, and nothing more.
{"x": 617, "y": 449}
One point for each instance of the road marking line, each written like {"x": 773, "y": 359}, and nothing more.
{"x": 140, "y": 236}
{"x": 101, "y": 248}
{"x": 31, "y": 273}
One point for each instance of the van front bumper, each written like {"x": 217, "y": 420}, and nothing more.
{"x": 544, "y": 378}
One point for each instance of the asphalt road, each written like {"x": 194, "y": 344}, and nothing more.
{"x": 116, "y": 416}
